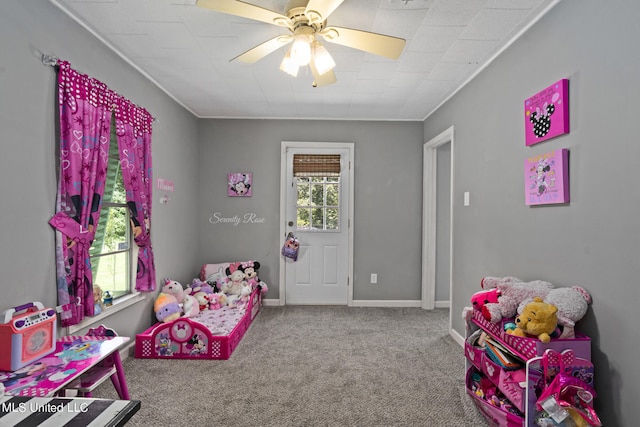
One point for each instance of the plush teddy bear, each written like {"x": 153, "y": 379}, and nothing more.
{"x": 511, "y": 292}
{"x": 572, "y": 303}
{"x": 236, "y": 281}
{"x": 538, "y": 318}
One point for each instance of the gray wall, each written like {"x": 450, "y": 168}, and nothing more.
{"x": 28, "y": 185}
{"x": 594, "y": 241}
{"x": 388, "y": 193}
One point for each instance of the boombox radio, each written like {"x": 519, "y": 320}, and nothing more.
{"x": 27, "y": 333}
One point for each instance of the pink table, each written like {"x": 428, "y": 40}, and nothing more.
{"x": 73, "y": 356}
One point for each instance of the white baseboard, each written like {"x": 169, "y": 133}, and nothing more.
{"x": 386, "y": 303}
{"x": 457, "y": 337}
{"x": 374, "y": 303}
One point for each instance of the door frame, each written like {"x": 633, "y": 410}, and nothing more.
{"x": 429, "y": 210}
{"x": 283, "y": 208}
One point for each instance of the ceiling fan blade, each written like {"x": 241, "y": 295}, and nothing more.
{"x": 257, "y": 53}
{"x": 245, "y": 10}
{"x": 322, "y": 79}
{"x": 378, "y": 44}
{"x": 319, "y": 10}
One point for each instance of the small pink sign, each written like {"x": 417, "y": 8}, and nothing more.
{"x": 165, "y": 184}
{"x": 546, "y": 114}
{"x": 546, "y": 178}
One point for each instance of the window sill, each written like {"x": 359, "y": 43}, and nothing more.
{"x": 119, "y": 305}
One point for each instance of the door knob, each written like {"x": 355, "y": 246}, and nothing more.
{"x": 290, "y": 223}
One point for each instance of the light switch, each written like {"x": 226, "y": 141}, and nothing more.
{"x": 466, "y": 198}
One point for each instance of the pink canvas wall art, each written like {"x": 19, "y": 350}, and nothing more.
{"x": 546, "y": 178}
{"x": 239, "y": 184}
{"x": 546, "y": 114}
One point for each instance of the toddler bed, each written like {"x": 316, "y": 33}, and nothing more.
{"x": 212, "y": 334}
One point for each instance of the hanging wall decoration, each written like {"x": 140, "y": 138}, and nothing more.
{"x": 546, "y": 178}
{"x": 546, "y": 114}
{"x": 239, "y": 184}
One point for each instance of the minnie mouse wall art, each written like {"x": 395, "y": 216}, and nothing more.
{"x": 547, "y": 113}
{"x": 546, "y": 178}
{"x": 239, "y": 184}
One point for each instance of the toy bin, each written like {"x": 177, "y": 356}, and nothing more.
{"x": 473, "y": 352}
{"x": 495, "y": 416}
{"x": 526, "y": 348}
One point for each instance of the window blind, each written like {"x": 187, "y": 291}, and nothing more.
{"x": 316, "y": 165}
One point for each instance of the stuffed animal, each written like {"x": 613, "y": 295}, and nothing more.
{"x": 511, "y": 292}
{"x": 572, "y": 305}
{"x": 173, "y": 288}
{"x": 480, "y": 298}
{"x": 217, "y": 300}
{"x": 203, "y": 300}
{"x": 190, "y": 306}
{"x": 572, "y": 302}
{"x": 250, "y": 270}
{"x": 198, "y": 285}
{"x": 214, "y": 278}
{"x": 166, "y": 307}
{"x": 236, "y": 281}
{"x": 98, "y": 305}
{"x": 238, "y": 300}
{"x": 538, "y": 318}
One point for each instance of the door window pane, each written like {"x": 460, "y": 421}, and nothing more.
{"x": 318, "y": 203}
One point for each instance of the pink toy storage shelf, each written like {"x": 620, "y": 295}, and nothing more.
{"x": 185, "y": 338}
{"x": 494, "y": 415}
{"x": 527, "y": 348}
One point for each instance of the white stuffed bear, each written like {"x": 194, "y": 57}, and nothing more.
{"x": 234, "y": 286}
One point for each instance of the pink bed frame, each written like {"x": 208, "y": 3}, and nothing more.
{"x": 184, "y": 338}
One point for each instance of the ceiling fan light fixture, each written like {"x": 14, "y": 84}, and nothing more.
{"x": 322, "y": 59}
{"x": 288, "y": 65}
{"x": 301, "y": 50}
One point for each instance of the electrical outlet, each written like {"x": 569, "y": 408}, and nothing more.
{"x": 374, "y": 278}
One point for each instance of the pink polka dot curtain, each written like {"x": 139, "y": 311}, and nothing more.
{"x": 86, "y": 106}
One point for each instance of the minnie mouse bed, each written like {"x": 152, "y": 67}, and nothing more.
{"x": 206, "y": 320}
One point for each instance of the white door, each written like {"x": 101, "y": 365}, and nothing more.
{"x": 317, "y": 211}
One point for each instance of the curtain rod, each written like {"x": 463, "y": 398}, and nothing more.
{"x": 52, "y": 61}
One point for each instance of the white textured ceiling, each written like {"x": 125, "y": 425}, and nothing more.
{"x": 186, "y": 50}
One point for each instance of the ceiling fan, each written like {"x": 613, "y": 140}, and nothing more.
{"x": 306, "y": 20}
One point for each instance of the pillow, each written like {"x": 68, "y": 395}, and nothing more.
{"x": 215, "y": 272}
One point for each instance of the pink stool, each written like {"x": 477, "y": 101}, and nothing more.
{"x": 110, "y": 367}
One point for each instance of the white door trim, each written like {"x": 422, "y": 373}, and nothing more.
{"x": 283, "y": 208}
{"x": 429, "y": 209}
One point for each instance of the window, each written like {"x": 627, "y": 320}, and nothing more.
{"x": 111, "y": 249}
{"x": 317, "y": 179}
